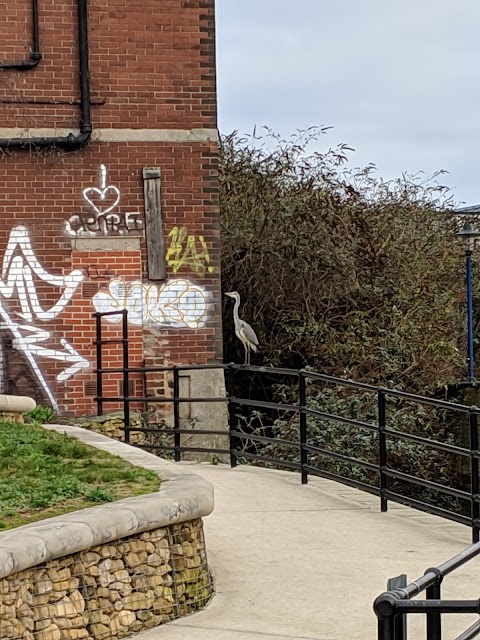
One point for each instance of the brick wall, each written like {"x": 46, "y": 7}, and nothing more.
{"x": 152, "y": 67}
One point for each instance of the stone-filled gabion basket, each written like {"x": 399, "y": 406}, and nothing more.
{"x": 125, "y": 583}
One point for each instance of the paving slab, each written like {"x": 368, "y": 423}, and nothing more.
{"x": 306, "y": 562}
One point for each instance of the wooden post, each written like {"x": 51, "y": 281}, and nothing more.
{"x": 154, "y": 224}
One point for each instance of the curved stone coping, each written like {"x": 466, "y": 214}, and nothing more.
{"x": 182, "y": 496}
{"x": 17, "y": 404}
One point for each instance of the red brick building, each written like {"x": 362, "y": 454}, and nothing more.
{"x": 109, "y": 193}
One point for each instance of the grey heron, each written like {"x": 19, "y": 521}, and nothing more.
{"x": 243, "y": 330}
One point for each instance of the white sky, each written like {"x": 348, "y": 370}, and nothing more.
{"x": 398, "y": 80}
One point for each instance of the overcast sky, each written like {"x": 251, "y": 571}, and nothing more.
{"x": 399, "y": 80}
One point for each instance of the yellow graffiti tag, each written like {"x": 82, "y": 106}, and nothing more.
{"x": 185, "y": 252}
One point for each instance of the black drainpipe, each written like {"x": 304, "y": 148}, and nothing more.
{"x": 72, "y": 141}
{"x": 35, "y": 55}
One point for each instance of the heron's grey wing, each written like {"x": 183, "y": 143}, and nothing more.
{"x": 249, "y": 333}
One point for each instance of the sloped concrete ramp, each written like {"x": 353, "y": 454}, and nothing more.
{"x": 299, "y": 562}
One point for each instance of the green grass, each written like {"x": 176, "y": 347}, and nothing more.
{"x": 45, "y": 474}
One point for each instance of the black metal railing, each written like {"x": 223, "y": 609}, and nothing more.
{"x": 305, "y": 454}
{"x": 394, "y": 607}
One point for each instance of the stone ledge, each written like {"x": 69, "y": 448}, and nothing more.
{"x": 182, "y": 496}
{"x": 16, "y": 404}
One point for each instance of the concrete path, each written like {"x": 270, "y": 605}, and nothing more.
{"x": 293, "y": 562}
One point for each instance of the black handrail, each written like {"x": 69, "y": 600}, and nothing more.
{"x": 306, "y": 455}
{"x": 392, "y": 607}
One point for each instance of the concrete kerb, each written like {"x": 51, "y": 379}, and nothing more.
{"x": 183, "y": 495}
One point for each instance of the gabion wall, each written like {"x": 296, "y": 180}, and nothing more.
{"x": 110, "y": 591}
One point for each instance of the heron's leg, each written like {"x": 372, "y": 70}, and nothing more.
{"x": 246, "y": 353}
{"x": 248, "y": 356}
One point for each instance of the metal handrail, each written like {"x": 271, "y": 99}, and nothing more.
{"x": 304, "y": 451}
{"x": 392, "y": 607}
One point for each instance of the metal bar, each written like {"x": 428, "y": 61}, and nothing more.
{"x": 255, "y": 369}
{"x": 428, "y": 484}
{"x": 431, "y": 576}
{"x": 176, "y": 414}
{"x": 158, "y": 400}
{"x": 460, "y": 559}
{"x": 163, "y": 447}
{"x": 382, "y": 450}
{"x": 254, "y": 438}
{"x": 302, "y": 400}
{"x": 99, "y": 373}
{"x": 104, "y": 314}
{"x": 438, "y": 606}
{"x": 428, "y": 508}
{"x": 339, "y": 456}
{"x": 449, "y": 448}
{"x": 279, "y": 463}
{"x": 209, "y": 399}
{"x": 471, "y": 361}
{"x": 434, "y": 619}
{"x": 126, "y": 390}
{"x": 340, "y": 381}
{"x": 399, "y": 582}
{"x": 385, "y": 607}
{"x": 440, "y": 404}
{"x": 204, "y": 450}
{"x": 470, "y": 633}
{"x": 310, "y": 375}
{"x": 192, "y": 432}
{"x": 386, "y": 629}
{"x": 335, "y": 418}
{"x": 266, "y": 405}
{"x": 232, "y": 416}
{"x": 180, "y": 367}
{"x": 474, "y": 479}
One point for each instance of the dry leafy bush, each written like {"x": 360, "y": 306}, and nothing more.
{"x": 337, "y": 269}
{"x": 349, "y": 275}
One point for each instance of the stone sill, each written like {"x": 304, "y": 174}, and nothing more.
{"x": 182, "y": 496}
{"x": 107, "y": 243}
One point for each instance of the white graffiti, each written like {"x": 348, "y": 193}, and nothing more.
{"x": 17, "y": 274}
{"x": 176, "y": 304}
{"x": 101, "y": 220}
{"x": 69, "y": 354}
{"x": 20, "y": 265}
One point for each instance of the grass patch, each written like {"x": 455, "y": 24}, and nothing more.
{"x": 45, "y": 474}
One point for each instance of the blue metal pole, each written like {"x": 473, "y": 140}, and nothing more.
{"x": 471, "y": 374}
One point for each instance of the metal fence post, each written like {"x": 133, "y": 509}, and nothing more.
{"x": 176, "y": 414}
{"x": 385, "y": 610}
{"x": 303, "y": 426}
{"x": 382, "y": 454}
{"x": 232, "y": 418}
{"x": 98, "y": 342}
{"x": 400, "y": 620}
{"x": 126, "y": 385}
{"x": 434, "y": 619}
{"x": 474, "y": 480}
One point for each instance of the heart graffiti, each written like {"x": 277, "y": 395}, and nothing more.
{"x": 98, "y": 198}
{"x": 101, "y": 218}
